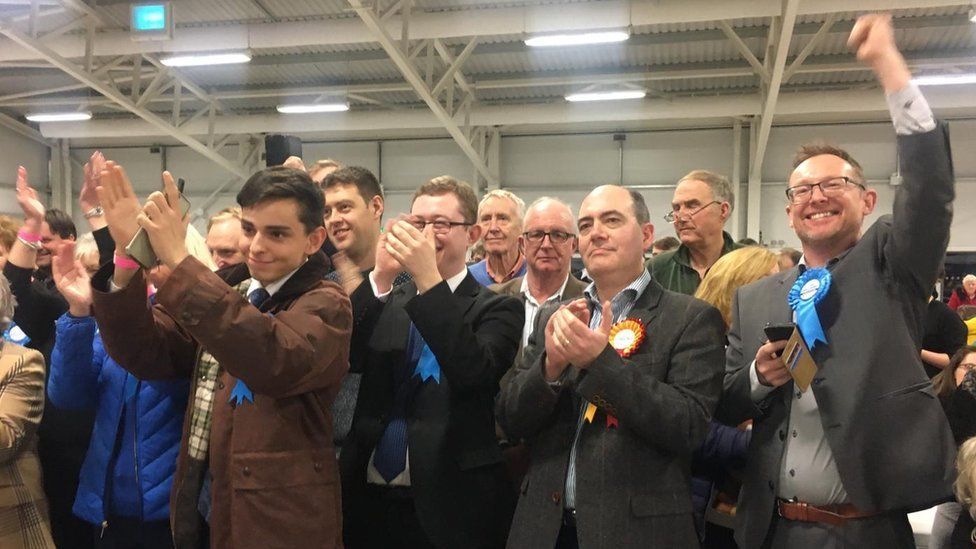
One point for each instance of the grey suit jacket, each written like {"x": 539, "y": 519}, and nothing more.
{"x": 887, "y": 431}
{"x": 632, "y": 481}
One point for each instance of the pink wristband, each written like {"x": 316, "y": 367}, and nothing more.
{"x": 28, "y": 236}
{"x": 125, "y": 262}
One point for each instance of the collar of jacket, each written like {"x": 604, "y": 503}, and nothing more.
{"x": 682, "y": 254}
{"x": 306, "y": 277}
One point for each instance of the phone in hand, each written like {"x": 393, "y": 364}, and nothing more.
{"x": 779, "y": 332}
{"x": 140, "y": 249}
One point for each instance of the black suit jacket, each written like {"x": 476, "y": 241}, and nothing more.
{"x": 889, "y": 437}
{"x": 632, "y": 481}
{"x": 460, "y": 490}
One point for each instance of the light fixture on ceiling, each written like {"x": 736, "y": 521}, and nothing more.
{"x": 313, "y": 108}
{"x": 606, "y": 95}
{"x": 74, "y": 116}
{"x": 206, "y": 59}
{"x": 944, "y": 79}
{"x": 580, "y": 39}
{"x": 972, "y": 14}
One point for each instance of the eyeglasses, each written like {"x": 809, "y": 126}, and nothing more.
{"x": 799, "y": 194}
{"x": 440, "y": 226}
{"x": 556, "y": 237}
{"x": 672, "y": 215}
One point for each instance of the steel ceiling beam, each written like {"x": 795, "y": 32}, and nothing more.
{"x": 400, "y": 59}
{"x": 115, "y": 95}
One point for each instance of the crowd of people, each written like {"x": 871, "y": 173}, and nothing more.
{"x": 310, "y": 374}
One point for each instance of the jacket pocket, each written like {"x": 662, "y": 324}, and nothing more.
{"x": 262, "y": 470}
{"x": 924, "y": 387}
{"x": 660, "y": 503}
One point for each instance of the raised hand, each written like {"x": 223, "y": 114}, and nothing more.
{"x": 72, "y": 280}
{"x": 119, "y": 201}
{"x": 88, "y": 197}
{"x": 27, "y": 199}
{"x": 164, "y": 223}
{"x": 873, "y": 38}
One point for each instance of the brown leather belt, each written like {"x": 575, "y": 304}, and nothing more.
{"x": 834, "y": 515}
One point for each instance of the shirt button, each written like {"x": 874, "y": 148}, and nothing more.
{"x": 246, "y": 471}
{"x": 798, "y": 395}
{"x": 185, "y": 316}
{"x": 792, "y": 472}
{"x": 317, "y": 466}
{"x": 782, "y": 434}
{"x": 556, "y": 497}
{"x": 794, "y": 433}
{"x": 220, "y": 385}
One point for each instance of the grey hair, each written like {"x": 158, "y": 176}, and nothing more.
{"x": 502, "y": 193}
{"x": 719, "y": 185}
{"x": 85, "y": 245}
{"x": 7, "y": 304}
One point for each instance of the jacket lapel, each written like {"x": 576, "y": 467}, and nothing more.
{"x": 779, "y": 308}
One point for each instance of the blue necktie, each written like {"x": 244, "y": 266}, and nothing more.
{"x": 390, "y": 458}
{"x": 241, "y": 392}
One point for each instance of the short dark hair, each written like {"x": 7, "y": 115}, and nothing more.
{"x": 446, "y": 184}
{"x": 747, "y": 241}
{"x": 363, "y": 179}
{"x": 945, "y": 381}
{"x": 277, "y": 183}
{"x": 817, "y": 148}
{"x": 60, "y": 223}
{"x": 640, "y": 207}
{"x": 666, "y": 244}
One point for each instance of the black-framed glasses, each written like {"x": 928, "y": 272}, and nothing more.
{"x": 672, "y": 215}
{"x": 441, "y": 226}
{"x": 833, "y": 186}
{"x": 556, "y": 237}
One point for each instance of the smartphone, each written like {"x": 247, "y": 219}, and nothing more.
{"x": 779, "y": 332}
{"x": 139, "y": 247}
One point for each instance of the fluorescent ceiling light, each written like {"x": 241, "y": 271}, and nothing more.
{"x": 206, "y": 59}
{"x": 944, "y": 79}
{"x": 577, "y": 39}
{"x": 972, "y": 14}
{"x": 313, "y": 108}
{"x": 59, "y": 116}
{"x": 606, "y": 96}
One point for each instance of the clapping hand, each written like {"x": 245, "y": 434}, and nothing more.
{"x": 119, "y": 201}
{"x": 164, "y": 223}
{"x": 72, "y": 280}
{"x": 28, "y": 201}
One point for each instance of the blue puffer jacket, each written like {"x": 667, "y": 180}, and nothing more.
{"x": 84, "y": 377}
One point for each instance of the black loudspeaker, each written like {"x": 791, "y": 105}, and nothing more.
{"x": 277, "y": 148}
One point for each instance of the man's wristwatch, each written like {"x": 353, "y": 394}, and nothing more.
{"x": 97, "y": 211}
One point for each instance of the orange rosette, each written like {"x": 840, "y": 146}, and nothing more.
{"x": 626, "y": 336}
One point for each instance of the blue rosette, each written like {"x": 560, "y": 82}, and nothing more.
{"x": 804, "y": 296}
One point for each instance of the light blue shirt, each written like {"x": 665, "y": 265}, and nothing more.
{"x": 620, "y": 305}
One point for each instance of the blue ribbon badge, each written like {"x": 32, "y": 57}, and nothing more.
{"x": 427, "y": 366}
{"x": 805, "y": 294}
{"x": 241, "y": 393}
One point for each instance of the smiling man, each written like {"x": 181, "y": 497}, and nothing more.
{"x": 421, "y": 466}
{"x": 265, "y": 344}
{"x": 500, "y": 217}
{"x": 612, "y": 395}
{"x": 847, "y": 457}
{"x": 701, "y": 205}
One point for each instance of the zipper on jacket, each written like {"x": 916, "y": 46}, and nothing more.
{"x": 135, "y": 449}
{"x": 104, "y": 526}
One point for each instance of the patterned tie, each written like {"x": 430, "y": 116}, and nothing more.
{"x": 258, "y": 297}
{"x": 390, "y": 458}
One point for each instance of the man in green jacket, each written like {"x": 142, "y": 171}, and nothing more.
{"x": 701, "y": 205}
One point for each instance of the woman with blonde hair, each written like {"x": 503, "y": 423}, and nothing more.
{"x": 732, "y": 271}
{"x": 964, "y": 533}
